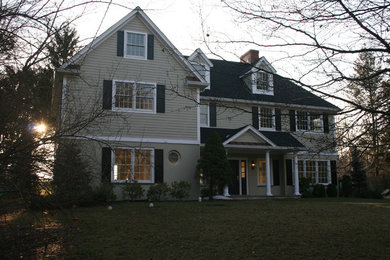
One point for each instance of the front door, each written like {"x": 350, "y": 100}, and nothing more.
{"x": 238, "y": 185}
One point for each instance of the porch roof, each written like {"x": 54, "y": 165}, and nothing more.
{"x": 274, "y": 138}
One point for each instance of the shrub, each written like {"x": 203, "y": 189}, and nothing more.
{"x": 104, "y": 193}
{"x": 133, "y": 190}
{"x": 346, "y": 186}
{"x": 180, "y": 190}
{"x": 157, "y": 192}
{"x": 319, "y": 191}
{"x": 331, "y": 190}
{"x": 71, "y": 177}
{"x": 370, "y": 194}
{"x": 305, "y": 187}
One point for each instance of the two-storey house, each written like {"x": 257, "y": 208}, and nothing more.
{"x": 141, "y": 111}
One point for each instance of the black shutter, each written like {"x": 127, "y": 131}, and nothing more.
{"x": 107, "y": 94}
{"x": 292, "y": 121}
{"x": 150, "y": 46}
{"x": 275, "y": 165}
{"x": 326, "y": 123}
{"x": 333, "y": 172}
{"x": 278, "y": 120}
{"x": 158, "y": 165}
{"x": 160, "y": 99}
{"x": 106, "y": 164}
{"x": 289, "y": 172}
{"x": 213, "y": 114}
{"x": 255, "y": 117}
{"x": 120, "y": 43}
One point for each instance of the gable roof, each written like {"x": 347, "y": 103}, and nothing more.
{"x": 274, "y": 139}
{"x": 226, "y": 82}
{"x": 151, "y": 26}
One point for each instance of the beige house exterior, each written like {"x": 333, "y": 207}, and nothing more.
{"x": 141, "y": 111}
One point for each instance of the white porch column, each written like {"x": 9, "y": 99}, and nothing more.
{"x": 296, "y": 176}
{"x": 226, "y": 191}
{"x": 268, "y": 173}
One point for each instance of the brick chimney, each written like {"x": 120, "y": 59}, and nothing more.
{"x": 250, "y": 56}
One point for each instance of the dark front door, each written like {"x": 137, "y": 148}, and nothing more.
{"x": 234, "y": 186}
{"x": 238, "y": 177}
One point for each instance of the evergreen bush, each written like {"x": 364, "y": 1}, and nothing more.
{"x": 180, "y": 190}
{"x": 319, "y": 191}
{"x": 133, "y": 190}
{"x": 157, "y": 192}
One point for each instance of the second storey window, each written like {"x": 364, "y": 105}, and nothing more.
{"x": 309, "y": 121}
{"x": 134, "y": 96}
{"x": 135, "y": 45}
{"x": 266, "y": 117}
{"x": 204, "y": 115}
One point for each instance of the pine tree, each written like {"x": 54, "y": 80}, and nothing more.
{"x": 359, "y": 180}
{"x": 214, "y": 164}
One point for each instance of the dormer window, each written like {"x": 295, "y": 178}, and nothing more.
{"x": 201, "y": 64}
{"x": 262, "y": 83}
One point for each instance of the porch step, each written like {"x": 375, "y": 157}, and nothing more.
{"x": 252, "y": 197}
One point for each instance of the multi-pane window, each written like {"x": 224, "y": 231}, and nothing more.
{"x": 133, "y": 165}
{"x": 134, "y": 96}
{"x": 311, "y": 170}
{"x": 135, "y": 45}
{"x": 316, "y": 171}
{"x": 204, "y": 115}
{"x": 266, "y": 117}
{"x": 309, "y": 121}
{"x": 262, "y": 81}
{"x": 322, "y": 171}
{"x": 262, "y": 173}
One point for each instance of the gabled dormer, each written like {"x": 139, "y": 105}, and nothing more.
{"x": 259, "y": 78}
{"x": 202, "y": 64}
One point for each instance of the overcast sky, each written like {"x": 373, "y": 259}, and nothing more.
{"x": 179, "y": 20}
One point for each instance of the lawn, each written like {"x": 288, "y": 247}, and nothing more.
{"x": 267, "y": 229}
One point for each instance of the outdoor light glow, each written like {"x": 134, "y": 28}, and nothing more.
{"x": 40, "y": 128}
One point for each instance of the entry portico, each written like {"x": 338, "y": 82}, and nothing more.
{"x": 259, "y": 160}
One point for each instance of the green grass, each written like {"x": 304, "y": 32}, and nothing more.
{"x": 267, "y": 229}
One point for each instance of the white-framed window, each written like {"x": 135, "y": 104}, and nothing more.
{"x": 135, "y": 45}
{"x": 266, "y": 118}
{"x": 309, "y": 121}
{"x": 204, "y": 115}
{"x": 132, "y": 164}
{"x": 134, "y": 96}
{"x": 262, "y": 83}
{"x": 204, "y": 71}
{"x": 317, "y": 171}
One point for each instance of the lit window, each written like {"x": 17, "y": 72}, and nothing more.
{"x": 315, "y": 122}
{"x": 266, "y": 118}
{"x": 262, "y": 173}
{"x": 262, "y": 81}
{"x": 133, "y": 165}
{"x": 135, "y": 45}
{"x": 204, "y": 115}
{"x": 134, "y": 96}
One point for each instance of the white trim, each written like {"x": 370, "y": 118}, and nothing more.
{"x": 255, "y": 90}
{"x": 317, "y": 154}
{"x": 136, "y": 139}
{"x": 256, "y": 102}
{"x": 199, "y": 52}
{"x": 239, "y": 159}
{"x": 126, "y": 32}
{"x": 308, "y": 119}
{"x": 134, "y": 109}
{"x": 253, "y": 130}
{"x": 316, "y": 177}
